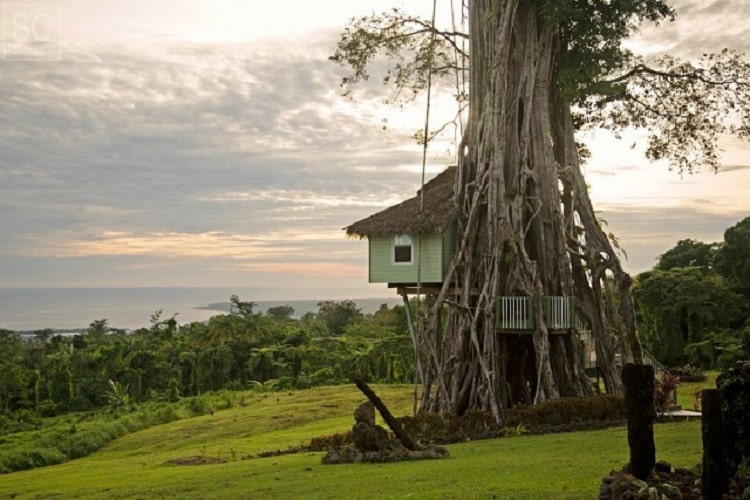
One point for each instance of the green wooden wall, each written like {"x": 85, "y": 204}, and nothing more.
{"x": 436, "y": 252}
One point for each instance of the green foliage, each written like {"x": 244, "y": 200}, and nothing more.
{"x": 338, "y": 315}
{"x": 733, "y": 260}
{"x": 691, "y": 306}
{"x": 243, "y": 308}
{"x": 734, "y": 385}
{"x": 60, "y": 439}
{"x": 665, "y": 391}
{"x": 50, "y": 375}
{"x": 283, "y": 312}
{"x": 688, "y": 253}
{"x": 199, "y": 406}
{"x": 405, "y": 41}
{"x": 680, "y": 306}
{"x": 689, "y": 373}
{"x": 564, "y": 411}
{"x": 592, "y": 33}
{"x": 681, "y": 104}
{"x": 559, "y": 414}
{"x": 118, "y": 395}
{"x": 720, "y": 349}
{"x": 14, "y": 379}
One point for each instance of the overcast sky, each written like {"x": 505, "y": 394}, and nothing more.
{"x": 205, "y": 143}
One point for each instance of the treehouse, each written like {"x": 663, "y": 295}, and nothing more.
{"x": 412, "y": 243}
{"x": 411, "y": 246}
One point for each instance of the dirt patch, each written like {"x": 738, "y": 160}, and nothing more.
{"x": 196, "y": 460}
{"x": 352, "y": 456}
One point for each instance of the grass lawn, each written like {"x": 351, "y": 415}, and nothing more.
{"x": 687, "y": 391}
{"x": 136, "y": 466}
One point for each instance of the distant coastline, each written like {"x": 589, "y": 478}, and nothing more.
{"x": 301, "y": 307}
{"x": 71, "y": 310}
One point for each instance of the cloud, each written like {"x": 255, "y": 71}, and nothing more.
{"x": 139, "y": 152}
{"x": 162, "y": 158}
{"x": 701, "y": 26}
{"x": 646, "y": 232}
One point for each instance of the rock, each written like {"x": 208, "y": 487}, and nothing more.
{"x": 365, "y": 413}
{"x": 662, "y": 466}
{"x": 373, "y": 444}
{"x": 369, "y": 437}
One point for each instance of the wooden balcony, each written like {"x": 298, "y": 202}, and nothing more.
{"x": 515, "y": 314}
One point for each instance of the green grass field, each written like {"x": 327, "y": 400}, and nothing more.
{"x": 687, "y": 391}
{"x": 137, "y": 465}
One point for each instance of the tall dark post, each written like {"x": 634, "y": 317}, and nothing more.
{"x": 715, "y": 477}
{"x": 395, "y": 426}
{"x": 639, "y": 405}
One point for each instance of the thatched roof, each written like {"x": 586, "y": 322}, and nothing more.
{"x": 437, "y": 212}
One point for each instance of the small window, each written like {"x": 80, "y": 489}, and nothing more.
{"x": 402, "y": 249}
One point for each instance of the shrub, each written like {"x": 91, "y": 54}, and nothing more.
{"x": 689, "y": 373}
{"x": 22, "y": 460}
{"x": 664, "y": 392}
{"x": 560, "y": 414}
{"x": 19, "y": 421}
{"x": 566, "y": 411}
{"x": 199, "y": 406}
{"x": 48, "y": 408}
{"x": 79, "y": 403}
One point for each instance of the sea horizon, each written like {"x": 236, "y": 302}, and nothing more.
{"x": 25, "y": 309}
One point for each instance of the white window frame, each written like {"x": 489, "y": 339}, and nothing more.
{"x": 402, "y": 240}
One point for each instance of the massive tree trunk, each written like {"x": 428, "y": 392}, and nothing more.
{"x": 526, "y": 227}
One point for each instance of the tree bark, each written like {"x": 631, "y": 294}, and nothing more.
{"x": 526, "y": 226}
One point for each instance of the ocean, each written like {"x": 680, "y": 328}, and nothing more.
{"x": 28, "y": 309}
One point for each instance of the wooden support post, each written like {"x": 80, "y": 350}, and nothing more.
{"x": 639, "y": 406}
{"x": 413, "y": 335}
{"x": 386, "y": 414}
{"x": 715, "y": 476}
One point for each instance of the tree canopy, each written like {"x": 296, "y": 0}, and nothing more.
{"x": 686, "y": 106}
{"x": 47, "y": 373}
{"x": 733, "y": 260}
{"x": 692, "y": 311}
{"x": 688, "y": 253}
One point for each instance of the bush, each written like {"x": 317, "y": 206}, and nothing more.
{"x": 561, "y": 414}
{"x": 566, "y": 411}
{"x": 66, "y": 440}
{"x": 19, "y": 421}
{"x": 23, "y": 460}
{"x": 199, "y": 406}
{"x": 689, "y": 373}
{"x": 79, "y": 403}
{"x": 48, "y": 408}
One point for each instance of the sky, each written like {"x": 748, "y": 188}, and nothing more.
{"x": 206, "y": 143}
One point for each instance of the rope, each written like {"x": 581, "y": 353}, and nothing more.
{"x": 460, "y": 76}
{"x": 421, "y": 194}
{"x": 427, "y": 110}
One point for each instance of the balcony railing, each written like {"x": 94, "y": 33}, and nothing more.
{"x": 516, "y": 313}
